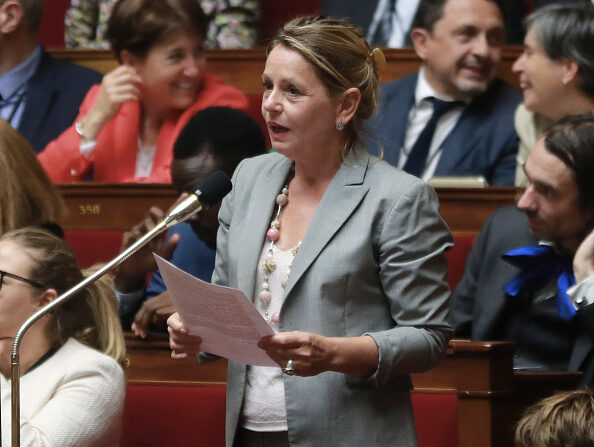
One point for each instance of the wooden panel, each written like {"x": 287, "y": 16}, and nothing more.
{"x": 491, "y": 396}
{"x": 95, "y": 206}
{"x": 150, "y": 361}
{"x": 243, "y": 68}
{"x": 466, "y": 210}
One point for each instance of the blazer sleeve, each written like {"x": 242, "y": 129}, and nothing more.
{"x": 61, "y": 158}
{"x": 413, "y": 270}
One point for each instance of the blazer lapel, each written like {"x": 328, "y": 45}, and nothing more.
{"x": 345, "y": 192}
{"x": 257, "y": 221}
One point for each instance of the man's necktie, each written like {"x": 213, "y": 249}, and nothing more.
{"x": 538, "y": 266}
{"x": 381, "y": 28}
{"x": 415, "y": 163}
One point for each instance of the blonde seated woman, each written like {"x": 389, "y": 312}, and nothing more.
{"x": 72, "y": 384}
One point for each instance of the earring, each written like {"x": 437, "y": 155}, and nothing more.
{"x": 565, "y": 81}
{"x": 339, "y": 126}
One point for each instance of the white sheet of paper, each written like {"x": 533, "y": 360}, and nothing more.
{"x": 227, "y": 321}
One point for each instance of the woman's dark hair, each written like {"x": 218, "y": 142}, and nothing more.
{"x": 137, "y": 25}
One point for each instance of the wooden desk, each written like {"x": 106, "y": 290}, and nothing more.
{"x": 491, "y": 396}
{"x": 96, "y": 206}
{"x": 243, "y": 68}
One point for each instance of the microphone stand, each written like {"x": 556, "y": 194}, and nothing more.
{"x": 181, "y": 212}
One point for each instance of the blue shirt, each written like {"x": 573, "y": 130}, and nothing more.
{"x": 13, "y": 87}
{"x": 191, "y": 255}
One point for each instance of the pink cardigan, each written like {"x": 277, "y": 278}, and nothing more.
{"x": 114, "y": 157}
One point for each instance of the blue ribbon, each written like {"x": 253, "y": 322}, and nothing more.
{"x": 537, "y": 266}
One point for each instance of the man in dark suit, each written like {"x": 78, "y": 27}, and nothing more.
{"x": 526, "y": 295}
{"x": 40, "y": 95}
{"x": 452, "y": 118}
{"x": 385, "y": 23}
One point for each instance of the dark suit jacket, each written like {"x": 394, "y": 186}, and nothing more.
{"x": 54, "y": 94}
{"x": 481, "y": 310}
{"x": 483, "y": 142}
{"x": 357, "y": 12}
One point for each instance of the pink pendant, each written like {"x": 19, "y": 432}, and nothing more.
{"x": 275, "y": 318}
{"x": 264, "y": 297}
{"x": 273, "y": 234}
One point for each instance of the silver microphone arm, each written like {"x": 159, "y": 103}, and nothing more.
{"x": 181, "y": 212}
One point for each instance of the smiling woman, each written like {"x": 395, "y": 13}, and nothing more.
{"x": 127, "y": 126}
{"x": 556, "y": 72}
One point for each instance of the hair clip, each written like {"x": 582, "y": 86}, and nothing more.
{"x": 379, "y": 59}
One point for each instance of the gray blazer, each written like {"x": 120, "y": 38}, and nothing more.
{"x": 371, "y": 262}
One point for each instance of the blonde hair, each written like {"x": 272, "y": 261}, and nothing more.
{"x": 28, "y": 196}
{"x": 90, "y": 317}
{"x": 564, "y": 419}
{"x": 341, "y": 57}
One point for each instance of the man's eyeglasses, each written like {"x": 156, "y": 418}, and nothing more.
{"x": 35, "y": 284}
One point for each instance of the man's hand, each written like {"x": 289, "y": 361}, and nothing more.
{"x": 131, "y": 273}
{"x": 154, "y": 312}
{"x": 583, "y": 261}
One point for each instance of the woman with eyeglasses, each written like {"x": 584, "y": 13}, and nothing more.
{"x": 72, "y": 385}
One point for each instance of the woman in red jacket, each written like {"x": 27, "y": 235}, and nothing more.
{"x": 127, "y": 125}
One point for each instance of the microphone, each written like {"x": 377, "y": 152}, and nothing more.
{"x": 211, "y": 191}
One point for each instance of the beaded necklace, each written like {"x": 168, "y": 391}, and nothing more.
{"x": 269, "y": 264}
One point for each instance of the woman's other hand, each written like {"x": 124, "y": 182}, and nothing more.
{"x": 312, "y": 354}
{"x": 118, "y": 86}
{"x": 180, "y": 341}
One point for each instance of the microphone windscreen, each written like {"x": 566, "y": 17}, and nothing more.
{"x": 214, "y": 187}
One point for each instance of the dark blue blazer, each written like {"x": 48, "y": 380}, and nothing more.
{"x": 483, "y": 142}
{"x": 481, "y": 310}
{"x": 54, "y": 95}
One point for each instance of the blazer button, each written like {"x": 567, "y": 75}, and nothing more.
{"x": 73, "y": 171}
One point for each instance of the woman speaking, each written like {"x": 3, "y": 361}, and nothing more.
{"x": 341, "y": 253}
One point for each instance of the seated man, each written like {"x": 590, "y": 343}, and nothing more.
{"x": 452, "y": 118}
{"x": 39, "y": 95}
{"x": 518, "y": 272}
{"x": 385, "y": 23}
{"x": 216, "y": 138}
